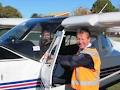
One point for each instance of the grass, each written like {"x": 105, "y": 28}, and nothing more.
{"x": 114, "y": 87}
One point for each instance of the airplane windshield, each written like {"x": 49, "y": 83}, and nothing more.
{"x": 31, "y": 38}
{"x": 15, "y": 33}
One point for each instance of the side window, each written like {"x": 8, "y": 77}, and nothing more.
{"x": 69, "y": 44}
{"x": 94, "y": 41}
{"x": 5, "y": 54}
{"x": 34, "y": 37}
{"x": 105, "y": 43}
{"x": 70, "y": 40}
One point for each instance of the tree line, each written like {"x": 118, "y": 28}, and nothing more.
{"x": 11, "y": 12}
{"x": 96, "y": 8}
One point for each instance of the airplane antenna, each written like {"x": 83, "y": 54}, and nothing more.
{"x": 103, "y": 8}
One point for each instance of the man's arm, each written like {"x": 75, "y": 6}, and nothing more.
{"x": 84, "y": 60}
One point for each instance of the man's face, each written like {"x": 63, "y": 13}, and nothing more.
{"x": 83, "y": 39}
{"x": 46, "y": 36}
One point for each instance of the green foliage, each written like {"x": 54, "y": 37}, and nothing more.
{"x": 9, "y": 12}
{"x": 99, "y": 4}
{"x": 1, "y": 12}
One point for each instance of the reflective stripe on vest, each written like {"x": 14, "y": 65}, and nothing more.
{"x": 85, "y": 83}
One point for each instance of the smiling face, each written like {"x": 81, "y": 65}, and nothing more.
{"x": 46, "y": 35}
{"x": 83, "y": 39}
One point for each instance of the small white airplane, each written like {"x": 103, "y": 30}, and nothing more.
{"x": 22, "y": 65}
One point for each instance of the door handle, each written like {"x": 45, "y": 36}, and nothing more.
{"x": 1, "y": 76}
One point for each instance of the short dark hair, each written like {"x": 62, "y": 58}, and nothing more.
{"x": 83, "y": 29}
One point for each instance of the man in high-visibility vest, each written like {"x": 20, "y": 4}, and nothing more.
{"x": 86, "y": 63}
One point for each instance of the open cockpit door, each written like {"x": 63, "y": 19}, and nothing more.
{"x": 48, "y": 65}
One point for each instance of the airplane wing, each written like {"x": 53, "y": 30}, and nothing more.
{"x": 95, "y": 22}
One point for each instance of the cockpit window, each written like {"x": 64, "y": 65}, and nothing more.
{"x": 31, "y": 38}
{"x": 34, "y": 35}
{"x": 14, "y": 34}
{"x": 70, "y": 40}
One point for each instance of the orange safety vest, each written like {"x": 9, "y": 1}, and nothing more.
{"x": 84, "y": 78}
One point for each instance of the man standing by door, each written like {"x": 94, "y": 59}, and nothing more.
{"x": 86, "y": 63}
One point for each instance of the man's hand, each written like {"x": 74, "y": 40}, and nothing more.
{"x": 46, "y": 56}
